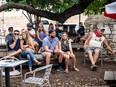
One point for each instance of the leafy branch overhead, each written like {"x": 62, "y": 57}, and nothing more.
{"x": 59, "y": 10}
{"x": 49, "y": 8}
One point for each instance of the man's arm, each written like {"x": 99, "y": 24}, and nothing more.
{"x": 108, "y": 47}
{"x": 12, "y": 45}
{"x": 32, "y": 35}
{"x": 47, "y": 50}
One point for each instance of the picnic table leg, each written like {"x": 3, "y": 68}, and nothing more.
{"x": 7, "y": 77}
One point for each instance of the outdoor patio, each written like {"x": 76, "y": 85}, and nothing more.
{"x": 83, "y": 78}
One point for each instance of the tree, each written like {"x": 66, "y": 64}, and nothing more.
{"x": 59, "y": 10}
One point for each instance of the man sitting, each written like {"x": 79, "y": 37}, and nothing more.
{"x": 14, "y": 44}
{"x": 94, "y": 44}
{"x": 50, "y": 47}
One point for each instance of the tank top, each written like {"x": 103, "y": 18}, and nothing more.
{"x": 65, "y": 47}
{"x": 42, "y": 35}
{"x": 96, "y": 41}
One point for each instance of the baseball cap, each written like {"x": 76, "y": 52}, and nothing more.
{"x": 101, "y": 28}
{"x": 50, "y": 31}
{"x": 29, "y": 25}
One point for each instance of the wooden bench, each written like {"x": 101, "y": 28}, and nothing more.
{"x": 110, "y": 78}
{"x": 77, "y": 45}
{"x": 3, "y": 50}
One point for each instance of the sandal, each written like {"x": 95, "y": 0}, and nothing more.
{"x": 38, "y": 63}
{"x": 76, "y": 69}
{"x": 93, "y": 67}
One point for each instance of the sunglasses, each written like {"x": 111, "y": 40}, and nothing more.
{"x": 16, "y": 34}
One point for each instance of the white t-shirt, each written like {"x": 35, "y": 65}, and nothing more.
{"x": 96, "y": 41}
{"x": 32, "y": 31}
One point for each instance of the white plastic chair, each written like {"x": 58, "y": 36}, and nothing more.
{"x": 14, "y": 73}
{"x": 35, "y": 80}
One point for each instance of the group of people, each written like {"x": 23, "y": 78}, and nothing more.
{"x": 52, "y": 42}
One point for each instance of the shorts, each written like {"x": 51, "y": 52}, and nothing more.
{"x": 92, "y": 49}
{"x": 45, "y": 53}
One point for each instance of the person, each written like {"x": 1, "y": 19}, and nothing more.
{"x": 81, "y": 32}
{"x": 41, "y": 34}
{"x": 93, "y": 44}
{"x": 10, "y": 35}
{"x": 51, "y": 26}
{"x": 32, "y": 33}
{"x": 27, "y": 47}
{"x": 14, "y": 45}
{"x": 58, "y": 31}
{"x": 50, "y": 47}
{"x": 65, "y": 46}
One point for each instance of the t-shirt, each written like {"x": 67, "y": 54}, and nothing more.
{"x": 96, "y": 41}
{"x": 32, "y": 31}
{"x": 81, "y": 31}
{"x": 8, "y": 36}
{"x": 16, "y": 47}
{"x": 51, "y": 44}
{"x": 59, "y": 34}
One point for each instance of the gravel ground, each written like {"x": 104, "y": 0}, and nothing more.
{"x": 83, "y": 78}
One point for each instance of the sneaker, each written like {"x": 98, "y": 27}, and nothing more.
{"x": 93, "y": 67}
{"x": 60, "y": 69}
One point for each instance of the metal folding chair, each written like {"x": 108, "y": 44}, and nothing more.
{"x": 35, "y": 80}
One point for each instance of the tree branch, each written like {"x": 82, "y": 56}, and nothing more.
{"x": 61, "y": 17}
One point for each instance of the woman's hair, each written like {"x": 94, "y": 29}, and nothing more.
{"x": 28, "y": 40}
{"x": 50, "y": 26}
{"x": 64, "y": 33}
{"x": 41, "y": 26}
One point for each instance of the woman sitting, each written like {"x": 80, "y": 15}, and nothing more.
{"x": 41, "y": 34}
{"x": 65, "y": 46}
{"x": 27, "y": 46}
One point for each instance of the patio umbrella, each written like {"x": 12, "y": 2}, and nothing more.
{"x": 110, "y": 10}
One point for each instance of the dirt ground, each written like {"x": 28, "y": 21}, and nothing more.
{"x": 84, "y": 78}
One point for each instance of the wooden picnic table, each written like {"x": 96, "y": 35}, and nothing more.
{"x": 110, "y": 78}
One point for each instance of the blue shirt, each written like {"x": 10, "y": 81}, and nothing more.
{"x": 16, "y": 47}
{"x": 51, "y": 44}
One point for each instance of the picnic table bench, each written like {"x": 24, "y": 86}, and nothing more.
{"x": 3, "y": 49}
{"x": 110, "y": 78}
